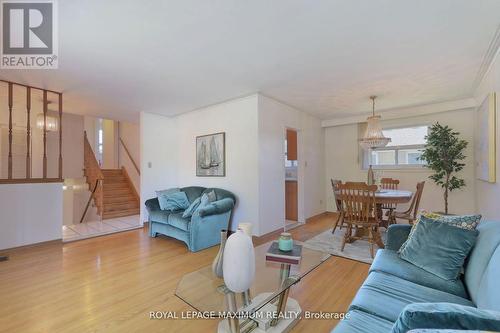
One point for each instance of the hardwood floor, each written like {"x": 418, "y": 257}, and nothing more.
{"x": 111, "y": 283}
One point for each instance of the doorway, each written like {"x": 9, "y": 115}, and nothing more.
{"x": 291, "y": 179}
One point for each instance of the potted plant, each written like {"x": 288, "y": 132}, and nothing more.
{"x": 444, "y": 153}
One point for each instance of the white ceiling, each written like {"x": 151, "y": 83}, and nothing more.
{"x": 117, "y": 58}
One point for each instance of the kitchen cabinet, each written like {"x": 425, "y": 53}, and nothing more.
{"x": 291, "y": 200}
{"x": 291, "y": 141}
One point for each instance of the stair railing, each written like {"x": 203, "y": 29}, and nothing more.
{"x": 130, "y": 157}
{"x": 94, "y": 176}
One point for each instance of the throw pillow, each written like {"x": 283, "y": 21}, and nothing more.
{"x": 439, "y": 248}
{"x": 445, "y": 316}
{"x": 211, "y": 196}
{"x": 161, "y": 196}
{"x": 469, "y": 222}
{"x": 173, "y": 201}
{"x": 206, "y": 199}
{"x": 192, "y": 207}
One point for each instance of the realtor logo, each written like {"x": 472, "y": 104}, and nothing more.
{"x": 29, "y": 34}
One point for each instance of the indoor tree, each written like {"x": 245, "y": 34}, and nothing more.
{"x": 444, "y": 153}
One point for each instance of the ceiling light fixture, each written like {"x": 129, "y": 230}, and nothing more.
{"x": 374, "y": 137}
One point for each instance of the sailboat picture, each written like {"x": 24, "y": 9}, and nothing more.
{"x": 211, "y": 155}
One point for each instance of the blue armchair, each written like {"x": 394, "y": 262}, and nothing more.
{"x": 200, "y": 231}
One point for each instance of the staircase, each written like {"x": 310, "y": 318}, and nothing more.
{"x": 119, "y": 196}
{"x": 113, "y": 193}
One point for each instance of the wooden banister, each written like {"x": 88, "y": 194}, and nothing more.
{"x": 130, "y": 157}
{"x": 14, "y": 105}
{"x": 94, "y": 175}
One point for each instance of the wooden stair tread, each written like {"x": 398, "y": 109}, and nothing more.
{"x": 119, "y": 198}
{"x": 120, "y": 213}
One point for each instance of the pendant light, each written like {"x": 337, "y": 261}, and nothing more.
{"x": 374, "y": 137}
{"x": 47, "y": 122}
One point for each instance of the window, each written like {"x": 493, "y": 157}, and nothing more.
{"x": 404, "y": 150}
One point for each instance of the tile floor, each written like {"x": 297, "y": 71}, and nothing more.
{"x": 98, "y": 228}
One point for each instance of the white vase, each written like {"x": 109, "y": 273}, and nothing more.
{"x": 219, "y": 258}
{"x": 239, "y": 262}
{"x": 247, "y": 228}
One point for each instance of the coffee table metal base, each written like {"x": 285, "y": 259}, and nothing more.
{"x": 287, "y": 320}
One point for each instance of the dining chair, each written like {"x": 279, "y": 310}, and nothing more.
{"x": 338, "y": 204}
{"x": 359, "y": 214}
{"x": 389, "y": 184}
{"x": 411, "y": 213}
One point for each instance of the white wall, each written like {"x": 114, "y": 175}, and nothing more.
{"x": 72, "y": 147}
{"x": 169, "y": 143}
{"x": 238, "y": 119}
{"x": 255, "y": 131}
{"x": 487, "y": 194}
{"x": 158, "y": 164}
{"x": 41, "y": 222}
{"x": 343, "y": 161}
{"x": 109, "y": 144}
{"x": 274, "y": 118}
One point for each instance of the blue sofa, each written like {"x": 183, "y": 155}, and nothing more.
{"x": 394, "y": 287}
{"x": 200, "y": 231}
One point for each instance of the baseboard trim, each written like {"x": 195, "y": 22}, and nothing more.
{"x": 308, "y": 220}
{"x": 318, "y": 216}
{"x": 54, "y": 241}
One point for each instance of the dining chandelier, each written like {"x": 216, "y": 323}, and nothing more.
{"x": 374, "y": 137}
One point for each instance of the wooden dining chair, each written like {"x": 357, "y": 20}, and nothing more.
{"x": 339, "y": 220}
{"x": 389, "y": 184}
{"x": 358, "y": 206}
{"x": 411, "y": 213}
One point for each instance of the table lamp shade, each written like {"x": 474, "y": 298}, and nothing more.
{"x": 239, "y": 262}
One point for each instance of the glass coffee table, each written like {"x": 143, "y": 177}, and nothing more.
{"x": 265, "y": 307}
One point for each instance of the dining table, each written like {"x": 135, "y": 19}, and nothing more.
{"x": 387, "y": 197}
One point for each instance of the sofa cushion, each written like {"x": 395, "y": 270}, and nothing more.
{"x": 362, "y": 322}
{"x": 192, "y": 207}
{"x": 439, "y": 247}
{"x": 468, "y": 222}
{"x": 386, "y": 296}
{"x": 487, "y": 242}
{"x": 174, "y": 201}
{"x": 446, "y": 316}
{"x": 193, "y": 192}
{"x": 388, "y": 261}
{"x": 163, "y": 196}
{"x": 159, "y": 216}
{"x": 176, "y": 220}
{"x": 221, "y": 194}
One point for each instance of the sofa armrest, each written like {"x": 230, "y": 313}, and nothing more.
{"x": 217, "y": 207}
{"x": 397, "y": 234}
{"x": 152, "y": 205}
{"x": 445, "y": 316}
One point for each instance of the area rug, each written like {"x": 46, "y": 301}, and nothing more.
{"x": 331, "y": 243}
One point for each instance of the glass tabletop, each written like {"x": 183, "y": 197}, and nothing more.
{"x": 206, "y": 293}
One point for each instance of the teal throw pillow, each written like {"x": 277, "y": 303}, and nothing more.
{"x": 161, "y": 196}
{"x": 445, "y": 316}
{"x": 439, "y": 248}
{"x": 192, "y": 208}
{"x": 173, "y": 201}
{"x": 469, "y": 222}
{"x": 206, "y": 199}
